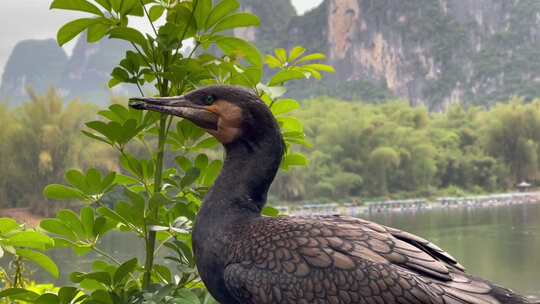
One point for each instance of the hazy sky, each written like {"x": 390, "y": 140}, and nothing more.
{"x": 31, "y": 19}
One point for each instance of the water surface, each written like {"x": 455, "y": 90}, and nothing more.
{"x": 501, "y": 244}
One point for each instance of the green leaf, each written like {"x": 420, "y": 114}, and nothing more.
{"x": 270, "y": 211}
{"x": 111, "y": 130}
{"x": 96, "y": 137}
{"x": 19, "y": 294}
{"x": 281, "y": 54}
{"x": 272, "y": 62}
{"x": 87, "y": 220}
{"x": 107, "y": 182}
{"x": 61, "y": 192}
{"x": 202, "y": 9}
{"x": 222, "y": 9}
{"x": 239, "y": 48}
{"x": 284, "y": 76}
{"x": 57, "y": 227}
{"x": 129, "y": 34}
{"x": 30, "y": 239}
{"x": 124, "y": 270}
{"x": 106, "y": 4}
{"x": 131, "y": 7}
{"x": 131, "y": 164}
{"x": 235, "y": 21}
{"x": 282, "y": 106}
{"x": 296, "y": 52}
{"x": 99, "y": 276}
{"x": 71, "y": 29}
{"x": 96, "y": 31}
{"x": 77, "y": 179}
{"x": 101, "y": 297}
{"x": 136, "y": 199}
{"x": 296, "y": 137}
{"x": 311, "y": 57}
{"x": 128, "y": 131}
{"x": 191, "y": 176}
{"x": 116, "y": 4}
{"x": 211, "y": 172}
{"x": 120, "y": 74}
{"x": 111, "y": 214}
{"x": 320, "y": 67}
{"x": 272, "y": 92}
{"x": 66, "y": 294}
{"x": 76, "y": 5}
{"x": 124, "y": 180}
{"x": 163, "y": 273}
{"x": 183, "y": 162}
{"x": 186, "y": 296}
{"x": 111, "y": 84}
{"x": 41, "y": 260}
{"x": 201, "y": 161}
{"x": 290, "y": 124}
{"x": 47, "y": 298}
{"x": 7, "y": 224}
{"x": 158, "y": 199}
{"x": 207, "y": 143}
{"x": 294, "y": 159}
{"x": 155, "y": 12}
{"x": 70, "y": 219}
{"x": 93, "y": 180}
{"x": 313, "y": 73}
{"x": 102, "y": 225}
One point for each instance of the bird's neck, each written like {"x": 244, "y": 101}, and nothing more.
{"x": 248, "y": 171}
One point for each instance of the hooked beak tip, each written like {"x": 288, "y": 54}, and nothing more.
{"x": 136, "y": 103}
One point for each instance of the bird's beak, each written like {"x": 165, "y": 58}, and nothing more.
{"x": 178, "y": 106}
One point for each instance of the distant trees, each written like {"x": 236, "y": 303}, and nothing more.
{"x": 393, "y": 149}
{"x": 512, "y": 134}
{"x": 382, "y": 161}
{"x": 356, "y": 149}
{"x": 39, "y": 140}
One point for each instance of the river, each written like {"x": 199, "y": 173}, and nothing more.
{"x": 501, "y": 243}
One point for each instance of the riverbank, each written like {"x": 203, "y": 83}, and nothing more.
{"x": 22, "y": 216}
{"x": 25, "y": 216}
{"x": 412, "y": 205}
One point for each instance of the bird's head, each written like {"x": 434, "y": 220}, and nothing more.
{"x": 230, "y": 114}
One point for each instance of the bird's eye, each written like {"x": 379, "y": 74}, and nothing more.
{"x": 209, "y": 99}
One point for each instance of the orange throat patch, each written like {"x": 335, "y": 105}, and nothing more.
{"x": 229, "y": 126}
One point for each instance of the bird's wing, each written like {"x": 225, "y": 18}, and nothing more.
{"x": 344, "y": 260}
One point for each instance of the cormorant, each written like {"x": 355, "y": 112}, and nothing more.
{"x": 244, "y": 257}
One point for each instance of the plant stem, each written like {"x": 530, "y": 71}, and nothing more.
{"x": 106, "y": 255}
{"x": 148, "y": 16}
{"x": 18, "y": 281}
{"x": 154, "y": 210}
{"x": 140, "y": 89}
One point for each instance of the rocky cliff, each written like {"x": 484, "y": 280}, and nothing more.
{"x": 41, "y": 64}
{"x": 88, "y": 70}
{"x": 35, "y": 63}
{"x": 432, "y": 52}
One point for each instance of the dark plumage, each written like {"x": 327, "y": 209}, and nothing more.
{"x": 243, "y": 257}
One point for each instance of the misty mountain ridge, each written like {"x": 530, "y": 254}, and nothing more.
{"x": 430, "y": 52}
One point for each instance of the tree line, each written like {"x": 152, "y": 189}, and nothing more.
{"x": 39, "y": 140}
{"x": 355, "y": 149}
{"x": 395, "y": 150}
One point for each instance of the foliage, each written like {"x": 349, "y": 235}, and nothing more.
{"x": 22, "y": 246}
{"x": 39, "y": 140}
{"x": 397, "y": 150}
{"x": 158, "y": 204}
